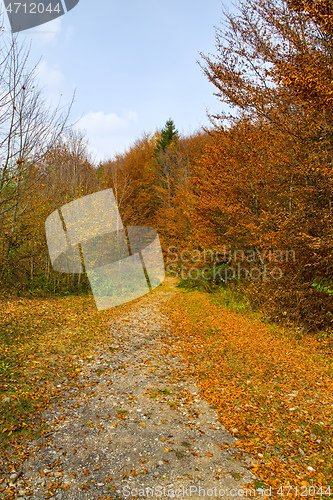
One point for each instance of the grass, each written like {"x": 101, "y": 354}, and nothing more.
{"x": 274, "y": 387}
{"x": 233, "y": 299}
{"x": 164, "y": 391}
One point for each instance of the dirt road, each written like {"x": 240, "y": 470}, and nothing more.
{"x": 133, "y": 426}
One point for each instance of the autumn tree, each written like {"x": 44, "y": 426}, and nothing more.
{"x": 28, "y": 130}
{"x": 67, "y": 169}
{"x": 132, "y": 177}
{"x": 272, "y": 157}
{"x": 308, "y": 69}
{"x": 175, "y": 196}
{"x": 135, "y": 178}
{"x": 64, "y": 174}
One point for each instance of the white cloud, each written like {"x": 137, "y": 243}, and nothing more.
{"x": 51, "y": 76}
{"x": 100, "y": 123}
{"x": 107, "y": 131}
{"x": 46, "y": 34}
{"x": 52, "y": 80}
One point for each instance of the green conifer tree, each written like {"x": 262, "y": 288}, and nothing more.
{"x": 169, "y": 134}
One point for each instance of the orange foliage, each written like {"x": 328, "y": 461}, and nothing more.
{"x": 272, "y": 392}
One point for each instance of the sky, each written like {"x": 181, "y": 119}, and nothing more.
{"x": 132, "y": 64}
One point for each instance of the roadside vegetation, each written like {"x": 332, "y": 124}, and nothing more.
{"x": 271, "y": 386}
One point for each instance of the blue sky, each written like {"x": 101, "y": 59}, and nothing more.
{"x": 133, "y": 64}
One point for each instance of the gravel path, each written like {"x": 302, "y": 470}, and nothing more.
{"x": 131, "y": 423}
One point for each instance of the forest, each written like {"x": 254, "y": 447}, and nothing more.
{"x": 254, "y": 189}
{"x": 243, "y": 209}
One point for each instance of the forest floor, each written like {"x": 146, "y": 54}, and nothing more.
{"x": 172, "y": 392}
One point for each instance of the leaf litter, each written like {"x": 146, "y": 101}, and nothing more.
{"x": 127, "y": 415}
{"x": 272, "y": 391}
